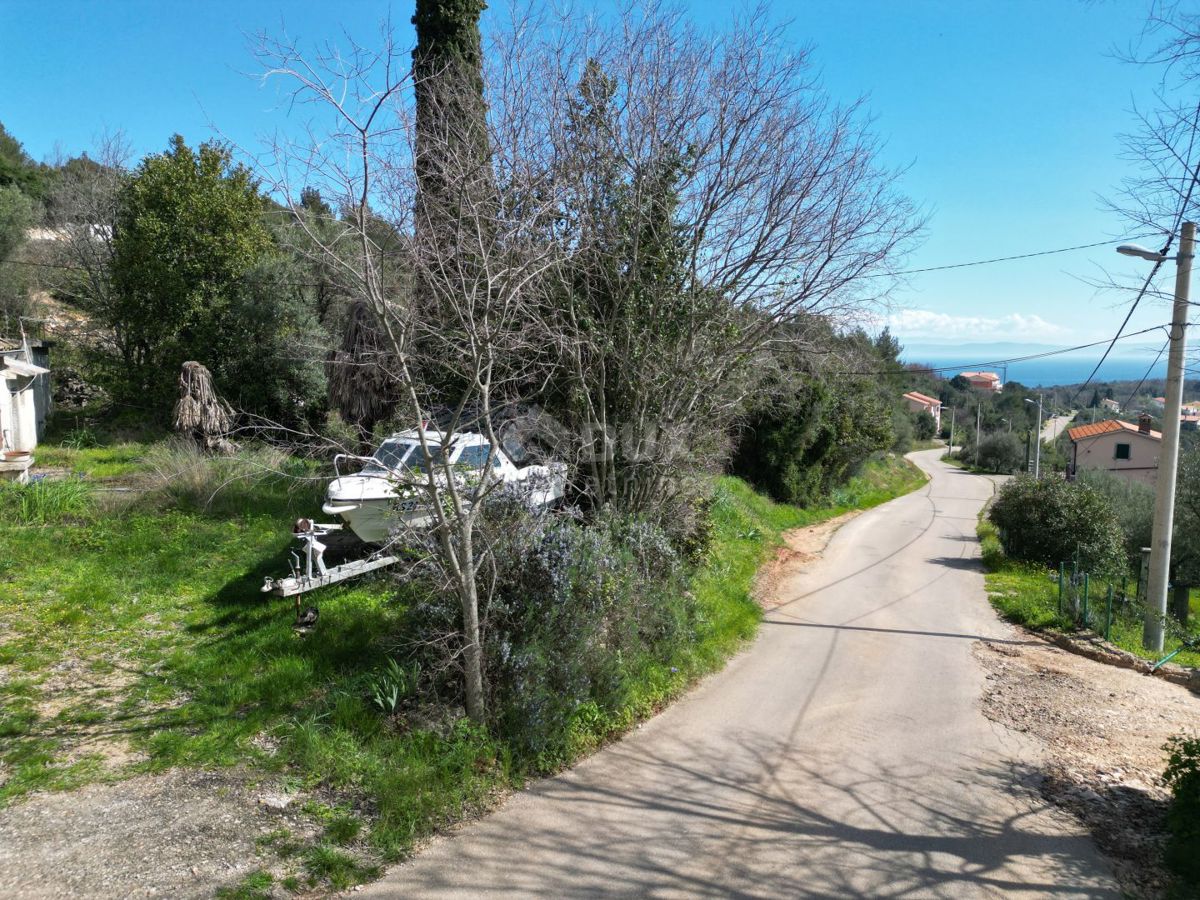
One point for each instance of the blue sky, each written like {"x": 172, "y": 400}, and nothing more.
{"x": 1007, "y": 114}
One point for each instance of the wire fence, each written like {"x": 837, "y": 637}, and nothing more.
{"x": 1114, "y": 608}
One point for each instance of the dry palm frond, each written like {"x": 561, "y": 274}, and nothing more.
{"x": 200, "y": 413}
{"x": 360, "y": 386}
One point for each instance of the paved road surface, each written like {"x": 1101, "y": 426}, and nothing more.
{"x": 1053, "y": 427}
{"x": 843, "y": 754}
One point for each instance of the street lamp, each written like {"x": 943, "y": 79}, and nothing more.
{"x": 1139, "y": 251}
{"x": 1037, "y": 456}
{"x": 1168, "y": 462}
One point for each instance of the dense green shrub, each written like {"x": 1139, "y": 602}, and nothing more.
{"x": 1049, "y": 521}
{"x": 189, "y": 228}
{"x": 1132, "y": 501}
{"x": 1183, "y": 816}
{"x": 903, "y": 430}
{"x": 576, "y": 611}
{"x": 814, "y": 439}
{"x": 924, "y": 426}
{"x": 1002, "y": 452}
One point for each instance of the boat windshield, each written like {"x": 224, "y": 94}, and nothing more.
{"x": 475, "y": 457}
{"x": 416, "y": 459}
{"x": 393, "y": 455}
{"x": 389, "y": 456}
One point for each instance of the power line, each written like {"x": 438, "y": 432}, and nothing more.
{"x": 999, "y": 259}
{"x": 1128, "y": 316}
{"x": 962, "y": 265}
{"x": 1133, "y": 393}
{"x": 1187, "y": 199}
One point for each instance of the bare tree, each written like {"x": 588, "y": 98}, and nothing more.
{"x": 708, "y": 192}
{"x": 647, "y": 205}
{"x": 459, "y": 353}
{"x": 81, "y": 213}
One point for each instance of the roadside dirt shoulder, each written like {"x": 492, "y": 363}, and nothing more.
{"x": 800, "y": 547}
{"x": 1104, "y": 729}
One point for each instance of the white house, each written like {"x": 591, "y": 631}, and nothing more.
{"x": 1130, "y": 451}
{"x": 24, "y": 404}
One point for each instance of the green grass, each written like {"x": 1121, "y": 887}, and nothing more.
{"x": 1028, "y": 595}
{"x": 144, "y": 622}
{"x": 254, "y": 886}
{"x": 110, "y": 462}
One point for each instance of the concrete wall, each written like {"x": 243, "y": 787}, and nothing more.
{"x": 43, "y": 403}
{"x": 1099, "y": 452}
{"x": 40, "y": 394}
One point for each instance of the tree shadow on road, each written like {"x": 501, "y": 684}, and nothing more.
{"x": 763, "y": 819}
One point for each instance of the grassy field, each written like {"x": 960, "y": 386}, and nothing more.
{"x": 1028, "y": 595}
{"x": 135, "y": 638}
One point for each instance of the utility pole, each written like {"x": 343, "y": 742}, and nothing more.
{"x": 1037, "y": 453}
{"x": 1168, "y": 461}
{"x": 952, "y": 411}
{"x": 978, "y": 425}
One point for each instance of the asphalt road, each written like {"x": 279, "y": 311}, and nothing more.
{"x": 1053, "y": 427}
{"x": 842, "y": 754}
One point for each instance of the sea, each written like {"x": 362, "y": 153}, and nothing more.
{"x": 1063, "y": 369}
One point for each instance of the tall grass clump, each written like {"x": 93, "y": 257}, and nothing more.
{"x": 181, "y": 475}
{"x": 47, "y": 501}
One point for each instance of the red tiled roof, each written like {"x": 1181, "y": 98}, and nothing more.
{"x": 990, "y": 376}
{"x": 921, "y": 398}
{"x": 1108, "y": 426}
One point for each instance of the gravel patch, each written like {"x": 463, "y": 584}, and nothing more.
{"x": 1103, "y": 729}
{"x": 182, "y": 834}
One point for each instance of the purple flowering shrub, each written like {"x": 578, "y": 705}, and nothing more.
{"x": 576, "y": 612}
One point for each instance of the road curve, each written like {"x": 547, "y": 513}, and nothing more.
{"x": 842, "y": 754}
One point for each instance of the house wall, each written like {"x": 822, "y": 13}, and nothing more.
{"x": 935, "y": 411}
{"x": 18, "y": 424}
{"x": 1099, "y": 452}
{"x": 39, "y": 393}
{"x": 43, "y": 403}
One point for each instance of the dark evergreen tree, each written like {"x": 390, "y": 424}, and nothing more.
{"x": 451, "y": 114}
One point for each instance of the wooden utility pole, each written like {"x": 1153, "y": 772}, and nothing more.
{"x": 978, "y": 425}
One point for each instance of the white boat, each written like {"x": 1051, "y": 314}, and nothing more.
{"x": 386, "y": 494}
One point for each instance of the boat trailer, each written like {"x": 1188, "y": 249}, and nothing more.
{"x": 311, "y": 572}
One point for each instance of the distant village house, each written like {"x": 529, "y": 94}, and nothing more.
{"x": 983, "y": 381}
{"x": 1130, "y": 451}
{"x": 1111, "y": 406}
{"x": 918, "y": 402}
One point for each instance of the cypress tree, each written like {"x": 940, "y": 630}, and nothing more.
{"x": 452, "y": 142}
